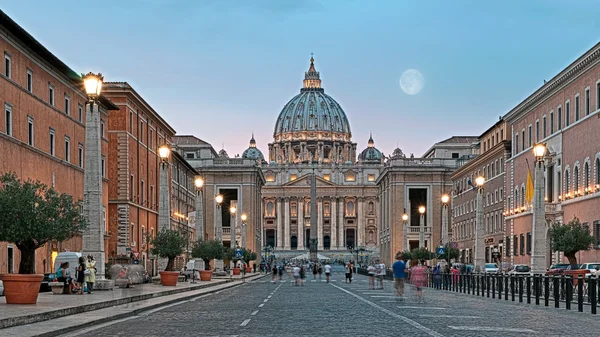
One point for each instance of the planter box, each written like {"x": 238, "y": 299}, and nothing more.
{"x": 21, "y": 288}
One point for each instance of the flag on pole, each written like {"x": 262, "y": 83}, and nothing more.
{"x": 529, "y": 187}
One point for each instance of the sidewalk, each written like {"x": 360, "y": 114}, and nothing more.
{"x": 50, "y": 306}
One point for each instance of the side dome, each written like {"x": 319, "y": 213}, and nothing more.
{"x": 252, "y": 152}
{"x": 371, "y": 154}
{"x": 312, "y": 109}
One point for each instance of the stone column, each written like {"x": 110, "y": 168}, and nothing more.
{"x": 341, "y": 232}
{"x": 286, "y": 233}
{"x": 361, "y": 223}
{"x": 333, "y": 217}
{"x": 279, "y": 225}
{"x": 444, "y": 224}
{"x": 199, "y": 216}
{"x": 244, "y": 226}
{"x": 538, "y": 232}
{"x": 422, "y": 231}
{"x": 300, "y": 207}
{"x": 479, "y": 233}
{"x": 93, "y": 236}
{"x": 218, "y": 223}
{"x": 232, "y": 225}
{"x": 320, "y": 223}
{"x": 164, "y": 202}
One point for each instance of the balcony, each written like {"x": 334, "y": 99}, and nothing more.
{"x": 417, "y": 229}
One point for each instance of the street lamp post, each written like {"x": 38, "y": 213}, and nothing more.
{"x": 93, "y": 236}
{"x": 404, "y": 230}
{"x": 445, "y": 200}
{"x": 244, "y": 217}
{"x": 219, "y": 227}
{"x": 479, "y": 230}
{"x": 313, "y": 216}
{"x": 164, "y": 205}
{"x": 422, "y": 227}
{"x": 539, "y": 247}
{"x": 199, "y": 182}
{"x": 232, "y": 223}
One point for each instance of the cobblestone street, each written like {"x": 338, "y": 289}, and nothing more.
{"x": 263, "y": 308}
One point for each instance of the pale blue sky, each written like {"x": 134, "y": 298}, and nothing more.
{"x": 222, "y": 69}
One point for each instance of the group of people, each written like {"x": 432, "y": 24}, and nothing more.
{"x": 376, "y": 272}
{"x": 298, "y": 271}
{"x": 84, "y": 278}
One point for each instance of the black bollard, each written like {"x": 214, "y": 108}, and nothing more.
{"x": 537, "y": 288}
{"x": 592, "y": 293}
{"x": 512, "y": 287}
{"x": 556, "y": 291}
{"x": 528, "y": 279}
{"x": 493, "y": 286}
{"x": 569, "y": 296}
{"x": 506, "y": 287}
{"x": 520, "y": 289}
{"x": 546, "y": 290}
{"x": 580, "y": 293}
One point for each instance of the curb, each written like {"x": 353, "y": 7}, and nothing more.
{"x": 35, "y": 318}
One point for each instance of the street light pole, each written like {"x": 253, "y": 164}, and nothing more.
{"x": 422, "y": 227}
{"x": 219, "y": 227}
{"x": 199, "y": 182}
{"x": 244, "y": 217}
{"x": 479, "y": 230}
{"x": 538, "y": 232}
{"x": 93, "y": 236}
{"x": 404, "y": 230}
{"x": 164, "y": 205}
{"x": 445, "y": 200}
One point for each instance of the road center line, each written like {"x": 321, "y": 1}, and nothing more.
{"x": 266, "y": 300}
{"x": 489, "y": 328}
{"x": 269, "y": 296}
{"x": 417, "y": 307}
{"x": 261, "y": 305}
{"x": 245, "y": 322}
{"x": 393, "y": 314}
{"x": 254, "y": 313}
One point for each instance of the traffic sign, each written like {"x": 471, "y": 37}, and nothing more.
{"x": 441, "y": 250}
{"x": 136, "y": 255}
{"x": 238, "y": 253}
{"x": 454, "y": 245}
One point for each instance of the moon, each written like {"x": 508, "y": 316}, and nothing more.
{"x": 412, "y": 81}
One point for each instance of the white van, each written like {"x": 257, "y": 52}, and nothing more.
{"x": 71, "y": 257}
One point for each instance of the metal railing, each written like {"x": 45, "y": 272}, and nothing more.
{"x": 560, "y": 291}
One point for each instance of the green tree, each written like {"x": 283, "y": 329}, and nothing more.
{"x": 450, "y": 253}
{"x": 570, "y": 238}
{"x": 249, "y": 256}
{"x": 407, "y": 255}
{"x": 168, "y": 244}
{"x": 208, "y": 250}
{"x": 32, "y": 214}
{"x": 421, "y": 254}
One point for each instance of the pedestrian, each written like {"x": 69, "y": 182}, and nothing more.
{"x": 320, "y": 270}
{"x": 315, "y": 270}
{"x": 281, "y": 273}
{"x": 254, "y": 267}
{"x": 348, "y": 273}
{"x": 327, "y": 272}
{"x": 81, "y": 272}
{"x": 64, "y": 275}
{"x": 296, "y": 275}
{"x": 274, "y": 273}
{"x": 380, "y": 275}
{"x": 418, "y": 278}
{"x": 371, "y": 272}
{"x": 302, "y": 275}
{"x": 437, "y": 277}
{"x": 399, "y": 268}
{"x": 90, "y": 278}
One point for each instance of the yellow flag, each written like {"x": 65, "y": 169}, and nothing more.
{"x": 529, "y": 188}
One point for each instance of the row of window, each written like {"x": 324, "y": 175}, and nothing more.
{"x": 518, "y": 147}
{"x": 491, "y": 198}
{"x": 489, "y": 171}
{"x": 29, "y": 87}
{"x": 493, "y": 140}
{"x": 350, "y": 208}
{"x": 492, "y": 222}
{"x": 582, "y": 182}
{"x": 51, "y": 140}
{"x": 149, "y": 140}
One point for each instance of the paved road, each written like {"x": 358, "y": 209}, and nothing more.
{"x": 262, "y": 308}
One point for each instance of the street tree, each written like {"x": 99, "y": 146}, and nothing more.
{"x": 168, "y": 244}
{"x": 33, "y": 214}
{"x": 208, "y": 250}
{"x": 421, "y": 254}
{"x": 449, "y": 253}
{"x": 570, "y": 238}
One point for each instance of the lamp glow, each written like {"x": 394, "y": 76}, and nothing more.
{"x": 405, "y": 217}
{"x": 244, "y": 217}
{"x": 480, "y": 181}
{"x": 539, "y": 151}
{"x": 445, "y": 198}
{"x": 422, "y": 209}
{"x": 199, "y": 182}
{"x": 93, "y": 84}
{"x": 219, "y": 199}
{"x": 164, "y": 152}
{"x": 232, "y": 210}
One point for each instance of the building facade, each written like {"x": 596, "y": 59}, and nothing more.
{"x": 42, "y": 129}
{"x": 563, "y": 114}
{"x": 492, "y": 149}
{"x": 135, "y": 132}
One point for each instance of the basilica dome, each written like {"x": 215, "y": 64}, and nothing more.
{"x": 371, "y": 154}
{"x": 312, "y": 110}
{"x": 252, "y": 152}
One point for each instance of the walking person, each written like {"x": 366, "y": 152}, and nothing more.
{"x": 320, "y": 270}
{"x": 418, "y": 278}
{"x": 371, "y": 271}
{"x": 81, "y": 275}
{"x": 90, "y": 278}
{"x": 314, "y": 271}
{"x": 274, "y": 274}
{"x": 327, "y": 272}
{"x": 348, "y": 270}
{"x": 380, "y": 274}
{"x": 280, "y": 273}
{"x": 302, "y": 275}
{"x": 296, "y": 275}
{"x": 437, "y": 276}
{"x": 399, "y": 268}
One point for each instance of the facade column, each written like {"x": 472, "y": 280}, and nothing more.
{"x": 341, "y": 233}
{"x": 444, "y": 224}
{"x": 286, "y": 233}
{"x": 93, "y": 236}
{"x": 320, "y": 223}
{"x": 262, "y": 225}
{"x": 361, "y": 223}
{"x": 479, "y": 233}
{"x": 199, "y": 216}
{"x": 279, "y": 242}
{"x": 538, "y": 233}
{"x": 300, "y": 208}
{"x": 233, "y": 225}
{"x": 333, "y": 217}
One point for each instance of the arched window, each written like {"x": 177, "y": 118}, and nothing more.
{"x": 567, "y": 182}
{"x": 586, "y": 175}
{"x": 270, "y": 209}
{"x": 371, "y": 207}
{"x": 576, "y": 179}
{"x": 522, "y": 196}
{"x": 350, "y": 208}
{"x": 597, "y": 171}
{"x": 517, "y": 198}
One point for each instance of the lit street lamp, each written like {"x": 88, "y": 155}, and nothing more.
{"x": 244, "y": 217}
{"x": 479, "y": 230}
{"x": 538, "y": 232}
{"x": 404, "y": 230}
{"x": 93, "y": 236}
{"x": 219, "y": 222}
{"x": 422, "y": 227}
{"x": 164, "y": 205}
{"x": 199, "y": 182}
{"x": 232, "y": 226}
{"x": 445, "y": 200}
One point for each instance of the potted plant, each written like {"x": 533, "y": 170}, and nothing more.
{"x": 206, "y": 251}
{"x": 230, "y": 257}
{"x": 31, "y": 215}
{"x": 168, "y": 244}
{"x": 249, "y": 256}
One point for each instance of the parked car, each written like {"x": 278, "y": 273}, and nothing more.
{"x": 48, "y": 277}
{"x": 557, "y": 268}
{"x": 1, "y": 288}
{"x": 491, "y": 268}
{"x": 520, "y": 269}
{"x": 593, "y": 267}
